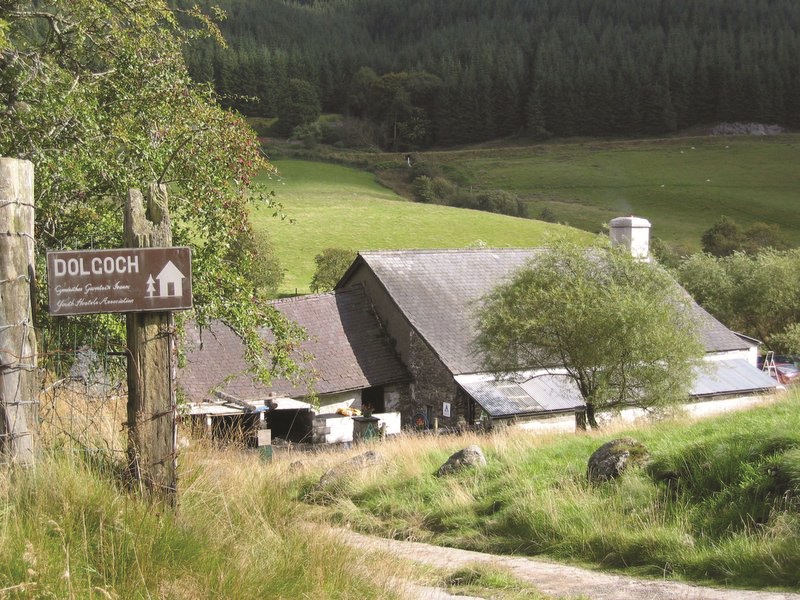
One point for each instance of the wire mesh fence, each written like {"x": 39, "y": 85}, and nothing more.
{"x": 82, "y": 396}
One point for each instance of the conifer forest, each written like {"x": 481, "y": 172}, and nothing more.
{"x": 425, "y": 73}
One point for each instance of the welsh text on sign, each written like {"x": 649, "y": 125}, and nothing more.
{"x": 119, "y": 280}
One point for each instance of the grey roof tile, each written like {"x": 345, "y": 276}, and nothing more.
{"x": 346, "y": 339}
{"x": 734, "y": 376}
{"x": 437, "y": 291}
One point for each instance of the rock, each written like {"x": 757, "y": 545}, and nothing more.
{"x": 612, "y": 458}
{"x": 343, "y": 470}
{"x": 746, "y": 129}
{"x": 471, "y": 456}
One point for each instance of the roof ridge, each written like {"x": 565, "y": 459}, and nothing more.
{"x": 315, "y": 297}
{"x": 452, "y": 250}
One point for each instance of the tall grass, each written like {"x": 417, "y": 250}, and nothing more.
{"x": 69, "y": 531}
{"x": 719, "y": 501}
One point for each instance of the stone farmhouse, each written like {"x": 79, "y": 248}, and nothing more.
{"x": 396, "y": 335}
{"x": 353, "y": 366}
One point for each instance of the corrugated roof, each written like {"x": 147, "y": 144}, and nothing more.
{"x": 350, "y": 349}
{"x": 437, "y": 290}
{"x": 543, "y": 393}
{"x": 734, "y": 376}
{"x": 525, "y": 393}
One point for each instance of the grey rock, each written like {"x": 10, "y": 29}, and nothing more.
{"x": 349, "y": 467}
{"x": 611, "y": 459}
{"x": 746, "y": 129}
{"x": 471, "y": 456}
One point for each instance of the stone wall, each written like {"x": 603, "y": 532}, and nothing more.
{"x": 432, "y": 385}
{"x": 395, "y": 397}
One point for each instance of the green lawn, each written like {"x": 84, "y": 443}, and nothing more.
{"x": 341, "y": 207}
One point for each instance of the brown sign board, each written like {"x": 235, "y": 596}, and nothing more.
{"x": 122, "y": 280}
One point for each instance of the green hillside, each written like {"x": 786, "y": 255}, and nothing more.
{"x": 682, "y": 186}
{"x": 335, "y": 206}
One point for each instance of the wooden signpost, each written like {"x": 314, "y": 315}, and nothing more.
{"x": 147, "y": 281}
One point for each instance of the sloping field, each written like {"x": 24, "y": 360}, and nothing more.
{"x": 681, "y": 185}
{"x": 335, "y": 206}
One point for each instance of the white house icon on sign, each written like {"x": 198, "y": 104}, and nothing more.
{"x": 170, "y": 281}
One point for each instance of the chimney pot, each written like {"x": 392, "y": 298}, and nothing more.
{"x": 632, "y": 233}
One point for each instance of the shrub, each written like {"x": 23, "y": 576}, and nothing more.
{"x": 423, "y": 189}
{"x": 331, "y": 265}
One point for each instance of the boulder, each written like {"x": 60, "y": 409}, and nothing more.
{"x": 336, "y": 474}
{"x": 471, "y": 456}
{"x": 612, "y": 458}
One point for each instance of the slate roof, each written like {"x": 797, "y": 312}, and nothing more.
{"x": 350, "y": 348}
{"x": 437, "y": 291}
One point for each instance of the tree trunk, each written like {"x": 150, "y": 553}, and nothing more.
{"x": 590, "y": 415}
{"x": 580, "y": 420}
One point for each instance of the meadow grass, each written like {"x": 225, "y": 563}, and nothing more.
{"x": 336, "y": 206}
{"x": 718, "y": 502}
{"x": 69, "y": 530}
{"x": 682, "y": 184}
{"x": 485, "y": 581}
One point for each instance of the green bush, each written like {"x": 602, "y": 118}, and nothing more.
{"x": 331, "y": 265}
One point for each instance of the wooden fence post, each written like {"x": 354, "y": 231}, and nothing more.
{"x": 151, "y": 362}
{"x": 17, "y": 336}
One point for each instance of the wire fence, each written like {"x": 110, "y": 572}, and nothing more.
{"x": 82, "y": 395}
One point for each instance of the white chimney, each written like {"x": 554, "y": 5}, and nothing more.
{"x": 634, "y": 234}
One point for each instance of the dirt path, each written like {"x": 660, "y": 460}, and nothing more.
{"x": 550, "y": 578}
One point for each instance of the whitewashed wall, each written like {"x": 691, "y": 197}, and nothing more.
{"x": 391, "y": 420}
{"x": 330, "y": 403}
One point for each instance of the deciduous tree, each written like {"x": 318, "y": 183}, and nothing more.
{"x": 621, "y": 330}
{"x": 758, "y": 295}
{"x": 97, "y": 95}
{"x": 331, "y": 265}
{"x": 725, "y": 237}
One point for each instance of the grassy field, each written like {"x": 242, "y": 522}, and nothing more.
{"x": 70, "y": 528}
{"x": 336, "y": 206}
{"x": 682, "y": 185}
{"x": 719, "y": 501}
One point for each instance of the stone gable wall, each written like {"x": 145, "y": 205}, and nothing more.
{"x": 432, "y": 384}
